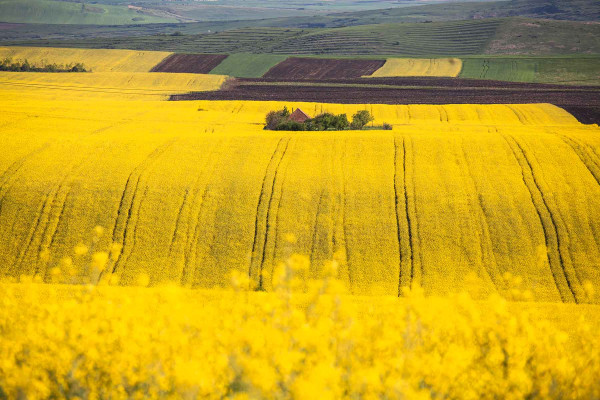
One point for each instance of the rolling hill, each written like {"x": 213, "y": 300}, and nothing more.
{"x": 64, "y": 12}
{"x": 452, "y": 190}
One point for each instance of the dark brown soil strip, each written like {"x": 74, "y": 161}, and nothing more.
{"x": 584, "y": 104}
{"x": 416, "y": 81}
{"x": 323, "y": 68}
{"x": 189, "y": 63}
{"x": 584, "y": 113}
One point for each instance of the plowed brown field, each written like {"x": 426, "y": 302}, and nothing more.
{"x": 582, "y": 102}
{"x": 189, "y": 63}
{"x": 322, "y": 68}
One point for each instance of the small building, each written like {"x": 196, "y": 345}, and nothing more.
{"x": 299, "y": 116}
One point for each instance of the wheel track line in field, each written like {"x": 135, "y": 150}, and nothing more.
{"x": 405, "y": 250}
{"x": 268, "y": 223}
{"x": 43, "y": 215}
{"x": 191, "y": 246}
{"x": 262, "y": 194}
{"x": 128, "y": 250}
{"x": 276, "y": 222}
{"x": 48, "y": 239}
{"x": 130, "y": 193}
{"x": 313, "y": 242}
{"x": 488, "y": 258}
{"x": 562, "y": 228}
{"x": 267, "y": 190}
{"x": 523, "y": 119}
{"x": 44, "y": 222}
{"x": 554, "y": 255}
{"x": 11, "y": 172}
{"x": 344, "y": 207}
{"x": 584, "y": 154}
{"x": 180, "y": 213}
{"x": 589, "y": 159}
{"x": 186, "y": 211}
{"x": 412, "y": 212}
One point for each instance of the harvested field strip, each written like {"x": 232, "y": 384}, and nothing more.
{"x": 419, "y": 67}
{"x": 96, "y": 60}
{"x": 322, "y": 68}
{"x": 189, "y": 63}
{"x": 194, "y": 190}
{"x": 106, "y": 84}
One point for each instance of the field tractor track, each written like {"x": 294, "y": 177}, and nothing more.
{"x": 52, "y": 200}
{"x": 559, "y": 263}
{"x": 263, "y": 210}
{"x": 314, "y": 237}
{"x": 275, "y": 223}
{"x": 488, "y": 258}
{"x": 188, "y": 219}
{"x": 586, "y": 154}
{"x": 178, "y": 222}
{"x": 127, "y": 203}
{"x": 403, "y": 223}
{"x": 8, "y": 176}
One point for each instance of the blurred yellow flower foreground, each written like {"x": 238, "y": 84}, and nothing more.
{"x": 304, "y": 340}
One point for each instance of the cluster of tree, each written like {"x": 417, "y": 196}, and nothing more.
{"x": 281, "y": 121}
{"x": 25, "y": 66}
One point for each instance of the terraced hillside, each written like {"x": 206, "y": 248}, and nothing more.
{"x": 191, "y": 193}
{"x": 443, "y": 38}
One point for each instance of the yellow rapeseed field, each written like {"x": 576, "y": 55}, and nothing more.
{"x": 307, "y": 339}
{"x": 189, "y": 191}
{"x": 484, "y": 219}
{"x": 109, "y": 85}
{"x": 95, "y": 60}
{"x": 419, "y": 67}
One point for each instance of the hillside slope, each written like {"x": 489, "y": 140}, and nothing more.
{"x": 64, "y": 12}
{"x": 194, "y": 190}
{"x": 453, "y": 38}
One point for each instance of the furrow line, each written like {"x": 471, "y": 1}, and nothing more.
{"x": 403, "y": 228}
{"x": 262, "y": 207}
{"x": 128, "y": 250}
{"x": 11, "y": 172}
{"x": 584, "y": 155}
{"x": 178, "y": 222}
{"x": 268, "y": 216}
{"x": 130, "y": 193}
{"x": 275, "y": 223}
{"x": 190, "y": 249}
{"x": 488, "y": 258}
{"x": 313, "y": 243}
{"x": 555, "y": 257}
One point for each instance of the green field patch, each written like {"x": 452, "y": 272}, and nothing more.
{"x": 247, "y": 65}
{"x": 561, "y": 70}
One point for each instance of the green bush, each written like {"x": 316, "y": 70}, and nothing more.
{"x": 360, "y": 119}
